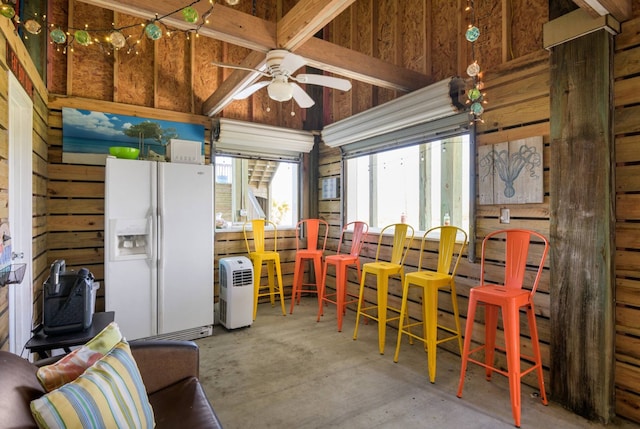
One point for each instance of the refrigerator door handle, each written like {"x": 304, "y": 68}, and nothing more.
{"x": 160, "y": 276}
{"x": 151, "y": 248}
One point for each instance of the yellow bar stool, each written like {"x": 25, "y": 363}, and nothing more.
{"x": 259, "y": 256}
{"x": 402, "y": 238}
{"x": 430, "y": 282}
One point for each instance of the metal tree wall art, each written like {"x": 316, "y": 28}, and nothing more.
{"x": 511, "y": 172}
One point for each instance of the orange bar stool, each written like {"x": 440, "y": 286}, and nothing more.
{"x": 314, "y": 232}
{"x": 402, "y": 238}
{"x": 259, "y": 255}
{"x": 509, "y": 297}
{"x": 341, "y": 262}
{"x": 430, "y": 282}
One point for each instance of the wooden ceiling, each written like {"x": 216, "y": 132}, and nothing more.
{"x": 295, "y": 32}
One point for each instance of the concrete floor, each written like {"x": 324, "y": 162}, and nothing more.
{"x": 292, "y": 372}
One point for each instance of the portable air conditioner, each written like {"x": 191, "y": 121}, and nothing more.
{"x": 236, "y": 292}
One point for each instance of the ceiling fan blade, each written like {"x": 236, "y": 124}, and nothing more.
{"x": 251, "y": 89}
{"x": 233, "y": 66}
{"x": 292, "y": 62}
{"x": 328, "y": 81}
{"x": 301, "y": 97}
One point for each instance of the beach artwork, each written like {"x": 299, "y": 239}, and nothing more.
{"x": 88, "y": 135}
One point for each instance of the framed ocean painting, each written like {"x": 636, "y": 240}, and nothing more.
{"x": 88, "y": 135}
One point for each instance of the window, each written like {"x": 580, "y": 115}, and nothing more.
{"x": 248, "y": 189}
{"x": 428, "y": 184}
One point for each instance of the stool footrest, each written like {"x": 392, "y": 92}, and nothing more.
{"x": 499, "y": 371}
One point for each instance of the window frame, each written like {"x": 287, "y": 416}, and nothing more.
{"x": 439, "y": 129}
{"x": 235, "y": 174}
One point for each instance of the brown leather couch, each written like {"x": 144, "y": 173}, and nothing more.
{"x": 169, "y": 370}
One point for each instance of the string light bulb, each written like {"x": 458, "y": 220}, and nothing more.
{"x": 108, "y": 39}
{"x": 475, "y": 96}
{"x": 7, "y": 10}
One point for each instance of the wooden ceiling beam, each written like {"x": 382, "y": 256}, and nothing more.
{"x": 619, "y": 9}
{"x": 356, "y": 65}
{"x": 225, "y": 24}
{"x": 295, "y": 32}
{"x": 234, "y": 83}
{"x": 305, "y": 19}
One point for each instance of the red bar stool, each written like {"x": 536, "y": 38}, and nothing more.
{"x": 311, "y": 241}
{"x": 429, "y": 282}
{"x": 402, "y": 238}
{"x": 509, "y": 297}
{"x": 341, "y": 262}
{"x": 259, "y": 255}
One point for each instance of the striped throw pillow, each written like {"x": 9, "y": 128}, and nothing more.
{"x": 109, "y": 394}
{"x": 75, "y": 363}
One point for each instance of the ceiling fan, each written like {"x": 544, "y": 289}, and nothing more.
{"x": 281, "y": 85}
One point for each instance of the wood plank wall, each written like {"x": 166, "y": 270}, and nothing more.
{"x": 627, "y": 147}
{"x": 9, "y": 40}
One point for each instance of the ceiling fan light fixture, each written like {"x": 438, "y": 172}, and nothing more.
{"x": 280, "y": 89}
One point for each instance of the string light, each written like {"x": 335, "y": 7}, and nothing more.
{"x": 113, "y": 38}
{"x": 475, "y": 97}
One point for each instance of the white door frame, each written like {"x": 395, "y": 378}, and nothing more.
{"x": 20, "y": 212}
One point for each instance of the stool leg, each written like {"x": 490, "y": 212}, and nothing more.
{"x": 257, "y": 268}
{"x": 341, "y": 289}
{"x": 317, "y": 266}
{"x": 430, "y": 318}
{"x": 298, "y": 272}
{"x": 271, "y": 277}
{"x": 323, "y": 291}
{"x": 471, "y": 313}
{"x": 490, "y": 328}
{"x": 456, "y": 313}
{"x": 511, "y": 323}
{"x": 383, "y": 287}
{"x": 531, "y": 315}
{"x": 403, "y": 311}
{"x": 280, "y": 287}
{"x": 360, "y": 299}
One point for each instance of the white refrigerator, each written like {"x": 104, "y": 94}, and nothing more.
{"x": 159, "y": 227}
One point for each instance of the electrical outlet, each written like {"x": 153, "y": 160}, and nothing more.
{"x": 505, "y": 217}
{"x": 242, "y": 212}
